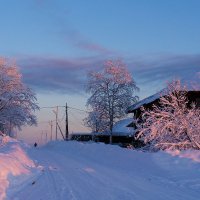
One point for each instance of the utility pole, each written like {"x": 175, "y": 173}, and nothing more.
{"x": 46, "y": 136}
{"x": 41, "y": 137}
{"x": 51, "y": 124}
{"x": 66, "y": 124}
{"x": 56, "y": 113}
{"x": 56, "y": 122}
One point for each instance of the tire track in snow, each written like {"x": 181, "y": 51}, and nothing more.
{"x": 72, "y": 176}
{"x": 51, "y": 184}
{"x": 57, "y": 182}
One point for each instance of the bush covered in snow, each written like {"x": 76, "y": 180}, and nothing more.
{"x": 173, "y": 124}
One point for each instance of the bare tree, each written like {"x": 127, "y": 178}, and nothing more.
{"x": 112, "y": 91}
{"x": 173, "y": 124}
{"x": 17, "y": 102}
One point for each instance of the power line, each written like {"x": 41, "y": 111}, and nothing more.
{"x": 51, "y": 107}
{"x": 78, "y": 109}
{"x": 55, "y": 110}
{"x": 48, "y": 107}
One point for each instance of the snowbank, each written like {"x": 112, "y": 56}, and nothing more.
{"x": 87, "y": 171}
{"x": 15, "y": 165}
{"x": 190, "y": 154}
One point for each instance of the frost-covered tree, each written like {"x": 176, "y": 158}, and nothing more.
{"x": 173, "y": 123}
{"x": 112, "y": 91}
{"x": 17, "y": 102}
{"x": 95, "y": 121}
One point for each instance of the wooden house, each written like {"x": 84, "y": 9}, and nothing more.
{"x": 193, "y": 96}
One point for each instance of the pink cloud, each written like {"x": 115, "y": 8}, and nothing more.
{"x": 89, "y": 46}
{"x": 78, "y": 40}
{"x": 69, "y": 75}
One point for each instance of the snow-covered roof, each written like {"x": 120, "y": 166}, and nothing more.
{"x": 120, "y": 128}
{"x": 189, "y": 87}
{"x": 146, "y": 100}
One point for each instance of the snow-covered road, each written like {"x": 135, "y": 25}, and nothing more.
{"x": 76, "y": 171}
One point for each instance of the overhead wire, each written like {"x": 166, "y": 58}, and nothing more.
{"x": 80, "y": 121}
{"x": 43, "y": 107}
{"x": 51, "y": 107}
{"x": 77, "y": 109}
{"x": 71, "y": 110}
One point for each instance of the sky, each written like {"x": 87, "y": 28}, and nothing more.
{"x": 56, "y": 43}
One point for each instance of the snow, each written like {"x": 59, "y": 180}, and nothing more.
{"x": 120, "y": 127}
{"x": 87, "y": 171}
{"x": 14, "y": 162}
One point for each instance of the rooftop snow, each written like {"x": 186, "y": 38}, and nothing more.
{"x": 190, "y": 87}
{"x": 120, "y": 128}
{"x": 146, "y": 100}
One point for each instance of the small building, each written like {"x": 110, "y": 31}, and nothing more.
{"x": 123, "y": 133}
{"x": 81, "y": 136}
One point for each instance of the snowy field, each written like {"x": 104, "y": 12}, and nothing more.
{"x": 78, "y": 171}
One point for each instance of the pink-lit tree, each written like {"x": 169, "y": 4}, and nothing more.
{"x": 112, "y": 91}
{"x": 173, "y": 124}
{"x": 17, "y": 102}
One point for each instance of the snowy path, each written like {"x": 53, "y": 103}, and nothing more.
{"x": 90, "y": 172}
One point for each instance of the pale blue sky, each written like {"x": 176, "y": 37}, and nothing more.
{"x": 55, "y": 43}
{"x": 131, "y": 27}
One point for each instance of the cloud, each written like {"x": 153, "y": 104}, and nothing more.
{"x": 152, "y": 73}
{"x": 165, "y": 67}
{"x": 93, "y": 47}
{"x": 69, "y": 75}
{"x": 198, "y": 74}
{"x": 64, "y": 30}
{"x": 57, "y": 75}
{"x": 78, "y": 40}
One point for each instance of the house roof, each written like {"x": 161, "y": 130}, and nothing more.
{"x": 152, "y": 98}
{"x": 146, "y": 101}
{"x": 120, "y": 128}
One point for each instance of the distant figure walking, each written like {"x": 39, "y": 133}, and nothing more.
{"x": 35, "y": 145}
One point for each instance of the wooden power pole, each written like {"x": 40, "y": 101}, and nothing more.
{"x": 51, "y": 124}
{"x": 66, "y": 124}
{"x": 56, "y": 113}
{"x": 56, "y": 122}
